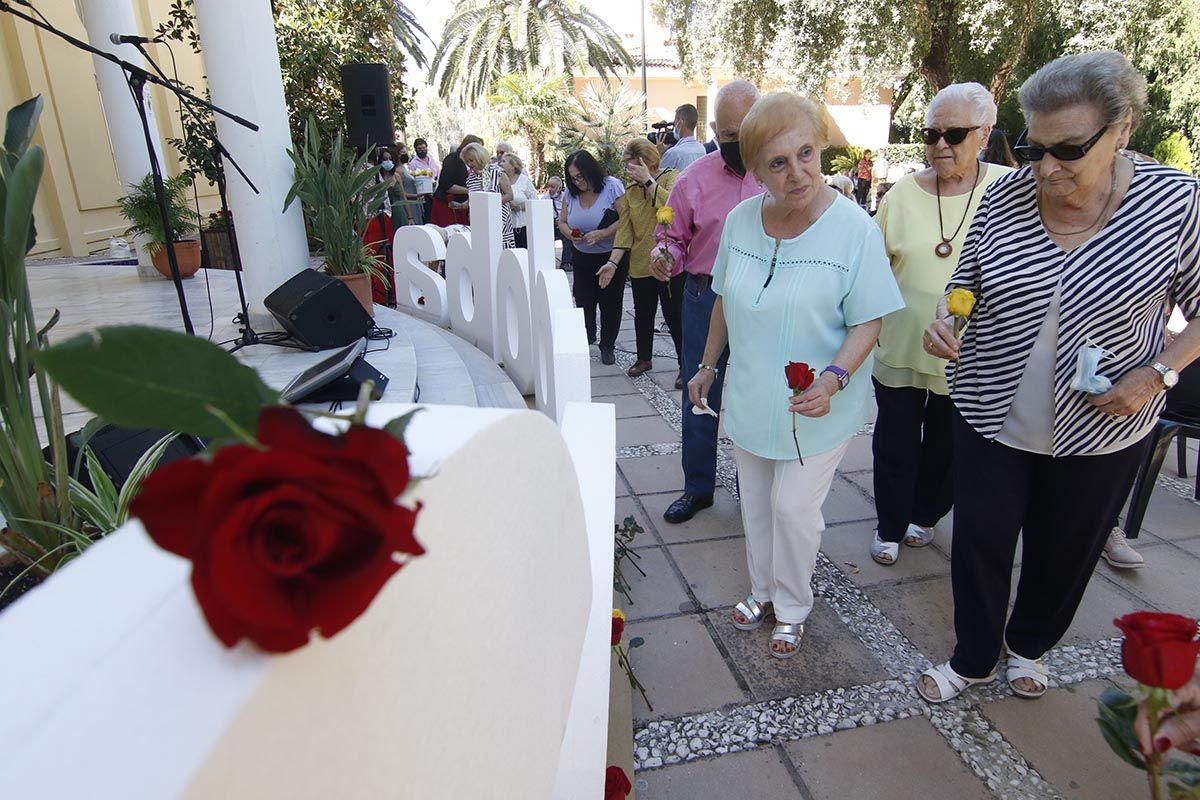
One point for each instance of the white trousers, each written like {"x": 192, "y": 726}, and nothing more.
{"x": 781, "y": 514}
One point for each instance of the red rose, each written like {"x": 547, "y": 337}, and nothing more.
{"x": 296, "y": 536}
{"x": 618, "y": 629}
{"x": 576, "y": 233}
{"x": 799, "y": 376}
{"x": 1159, "y": 649}
{"x": 616, "y": 784}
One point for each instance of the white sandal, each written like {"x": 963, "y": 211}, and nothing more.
{"x": 949, "y": 683}
{"x": 885, "y": 553}
{"x": 918, "y": 536}
{"x": 754, "y": 612}
{"x": 1031, "y": 669}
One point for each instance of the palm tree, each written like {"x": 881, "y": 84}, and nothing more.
{"x": 604, "y": 118}
{"x": 485, "y": 39}
{"x": 533, "y": 105}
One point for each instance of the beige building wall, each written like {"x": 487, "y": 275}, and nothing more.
{"x": 76, "y": 210}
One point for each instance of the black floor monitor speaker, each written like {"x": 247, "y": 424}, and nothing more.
{"x": 118, "y": 449}
{"x": 319, "y": 311}
{"x": 368, "y": 105}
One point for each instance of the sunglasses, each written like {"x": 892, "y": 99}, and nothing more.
{"x": 1062, "y": 151}
{"x": 952, "y": 135}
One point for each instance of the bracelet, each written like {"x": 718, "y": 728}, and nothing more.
{"x": 708, "y": 367}
{"x": 610, "y": 261}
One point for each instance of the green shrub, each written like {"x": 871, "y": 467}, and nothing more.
{"x": 1175, "y": 151}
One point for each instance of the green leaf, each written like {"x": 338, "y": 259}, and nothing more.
{"x": 154, "y": 378}
{"x": 399, "y": 425}
{"x": 636, "y": 641}
{"x": 141, "y": 470}
{"x": 20, "y": 125}
{"x": 20, "y": 191}
{"x": 1116, "y": 724}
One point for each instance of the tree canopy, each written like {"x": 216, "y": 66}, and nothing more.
{"x": 486, "y": 39}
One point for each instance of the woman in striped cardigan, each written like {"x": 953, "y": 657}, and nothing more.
{"x": 1081, "y": 249}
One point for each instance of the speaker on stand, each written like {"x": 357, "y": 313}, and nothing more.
{"x": 368, "y": 97}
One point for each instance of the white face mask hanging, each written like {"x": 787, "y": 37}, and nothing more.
{"x": 1087, "y": 378}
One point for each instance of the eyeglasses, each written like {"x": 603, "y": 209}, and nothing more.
{"x": 577, "y": 179}
{"x": 952, "y": 135}
{"x": 1062, "y": 151}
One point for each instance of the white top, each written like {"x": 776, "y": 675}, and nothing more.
{"x": 523, "y": 190}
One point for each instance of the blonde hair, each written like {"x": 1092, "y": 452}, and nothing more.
{"x": 774, "y": 114}
{"x": 474, "y": 150}
{"x": 643, "y": 148}
{"x": 515, "y": 160}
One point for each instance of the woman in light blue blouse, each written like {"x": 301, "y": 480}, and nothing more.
{"x": 802, "y": 275}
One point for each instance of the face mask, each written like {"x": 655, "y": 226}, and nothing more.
{"x": 678, "y": 133}
{"x": 421, "y": 153}
{"x": 1087, "y": 361}
{"x": 731, "y": 152}
{"x": 404, "y": 158}
{"x": 387, "y": 165}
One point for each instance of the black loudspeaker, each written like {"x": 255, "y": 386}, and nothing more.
{"x": 368, "y": 105}
{"x": 318, "y": 311}
{"x": 118, "y": 449}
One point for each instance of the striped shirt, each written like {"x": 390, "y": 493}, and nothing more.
{"x": 1114, "y": 288}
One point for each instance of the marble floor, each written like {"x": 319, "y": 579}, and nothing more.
{"x": 841, "y": 720}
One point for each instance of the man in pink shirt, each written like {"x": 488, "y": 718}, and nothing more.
{"x": 425, "y": 163}
{"x": 703, "y": 196}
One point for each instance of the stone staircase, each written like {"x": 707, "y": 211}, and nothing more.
{"x": 436, "y": 366}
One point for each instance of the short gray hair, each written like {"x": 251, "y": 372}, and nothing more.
{"x": 508, "y": 148}
{"x": 974, "y": 96}
{"x": 737, "y": 89}
{"x": 1104, "y": 80}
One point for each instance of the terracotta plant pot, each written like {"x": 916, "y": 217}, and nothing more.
{"x": 187, "y": 255}
{"x": 360, "y": 284}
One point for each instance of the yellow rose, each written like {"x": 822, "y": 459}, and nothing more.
{"x": 960, "y": 303}
{"x": 665, "y": 215}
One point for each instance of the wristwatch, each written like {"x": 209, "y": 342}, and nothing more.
{"x": 1169, "y": 376}
{"x": 649, "y": 182}
{"x": 842, "y": 376}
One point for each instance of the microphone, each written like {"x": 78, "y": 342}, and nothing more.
{"x": 117, "y": 38}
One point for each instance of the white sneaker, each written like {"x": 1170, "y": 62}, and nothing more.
{"x": 916, "y": 536}
{"x": 1119, "y": 554}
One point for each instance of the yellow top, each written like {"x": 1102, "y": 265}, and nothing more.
{"x": 908, "y": 216}
{"x": 638, "y": 219}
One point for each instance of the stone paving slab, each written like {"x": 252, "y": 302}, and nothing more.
{"x": 1070, "y": 752}
{"x": 705, "y": 682}
{"x": 751, "y": 775}
{"x": 724, "y": 519}
{"x": 642, "y": 429}
{"x": 653, "y": 474}
{"x": 903, "y": 760}
{"x": 1170, "y": 581}
{"x": 634, "y": 405}
{"x": 715, "y": 570}
{"x": 829, "y": 656}
{"x": 658, "y": 593}
{"x": 849, "y": 548}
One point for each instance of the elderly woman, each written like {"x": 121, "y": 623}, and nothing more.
{"x": 450, "y": 204}
{"x": 801, "y": 275}
{"x": 486, "y": 176}
{"x": 649, "y": 191}
{"x": 1070, "y": 259}
{"x": 924, "y": 219}
{"x": 523, "y": 191}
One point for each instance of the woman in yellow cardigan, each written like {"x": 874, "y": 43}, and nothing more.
{"x": 646, "y": 193}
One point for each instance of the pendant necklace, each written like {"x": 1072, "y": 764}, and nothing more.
{"x": 944, "y": 248}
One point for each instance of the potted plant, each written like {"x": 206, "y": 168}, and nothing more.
{"x": 339, "y": 194}
{"x": 140, "y": 208}
{"x": 217, "y": 240}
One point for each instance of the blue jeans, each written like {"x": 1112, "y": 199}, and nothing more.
{"x": 699, "y": 432}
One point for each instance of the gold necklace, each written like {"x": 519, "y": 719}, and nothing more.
{"x": 944, "y": 248}
{"x": 1112, "y": 192}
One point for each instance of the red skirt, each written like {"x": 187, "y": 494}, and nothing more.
{"x": 379, "y": 231}
{"x": 443, "y": 216}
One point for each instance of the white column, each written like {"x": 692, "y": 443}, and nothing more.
{"x": 128, "y": 141}
{"x": 242, "y": 62}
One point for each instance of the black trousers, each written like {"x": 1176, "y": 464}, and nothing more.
{"x": 589, "y": 295}
{"x": 1063, "y": 509}
{"x": 1184, "y": 399}
{"x": 647, "y": 294}
{"x": 520, "y": 237}
{"x": 862, "y": 190}
{"x": 913, "y": 451}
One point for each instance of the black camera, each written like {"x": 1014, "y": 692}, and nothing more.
{"x": 662, "y": 133}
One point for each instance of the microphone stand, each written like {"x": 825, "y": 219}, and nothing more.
{"x": 136, "y": 78}
{"x": 247, "y": 335}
